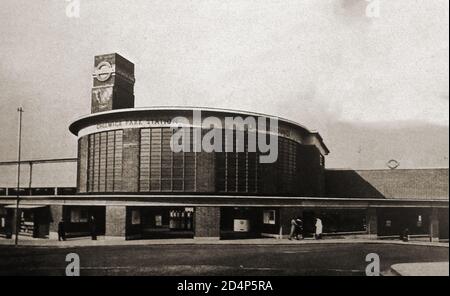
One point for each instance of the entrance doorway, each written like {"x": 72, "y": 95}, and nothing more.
{"x": 77, "y": 220}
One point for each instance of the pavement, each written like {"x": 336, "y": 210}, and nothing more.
{"x": 110, "y": 241}
{"x": 421, "y": 269}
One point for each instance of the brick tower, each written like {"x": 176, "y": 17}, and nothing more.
{"x": 113, "y": 86}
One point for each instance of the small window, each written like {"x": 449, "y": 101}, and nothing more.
{"x": 388, "y": 223}
{"x": 269, "y": 217}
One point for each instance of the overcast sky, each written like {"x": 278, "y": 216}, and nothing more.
{"x": 375, "y": 88}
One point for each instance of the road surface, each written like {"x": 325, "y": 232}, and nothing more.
{"x": 187, "y": 260}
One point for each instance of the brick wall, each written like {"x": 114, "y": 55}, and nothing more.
{"x": 400, "y": 183}
{"x": 115, "y": 221}
{"x": 205, "y": 172}
{"x": 207, "y": 222}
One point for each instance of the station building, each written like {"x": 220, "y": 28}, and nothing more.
{"x": 127, "y": 176}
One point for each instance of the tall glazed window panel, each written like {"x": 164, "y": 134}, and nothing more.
{"x": 241, "y": 171}
{"x": 178, "y": 171}
{"x": 287, "y": 165}
{"x": 189, "y": 171}
{"x": 105, "y": 162}
{"x": 144, "y": 167}
{"x": 90, "y": 177}
{"x": 118, "y": 152}
{"x": 110, "y": 162}
{"x": 155, "y": 159}
{"x": 166, "y": 160}
{"x": 96, "y": 163}
{"x": 252, "y": 163}
{"x": 231, "y": 161}
{"x": 220, "y": 171}
{"x": 102, "y": 165}
{"x": 241, "y": 162}
{"x": 190, "y": 166}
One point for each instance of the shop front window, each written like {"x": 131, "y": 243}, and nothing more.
{"x": 181, "y": 219}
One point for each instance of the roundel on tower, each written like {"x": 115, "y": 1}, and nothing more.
{"x": 103, "y": 71}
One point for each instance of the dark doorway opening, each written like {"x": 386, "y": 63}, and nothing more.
{"x": 77, "y": 220}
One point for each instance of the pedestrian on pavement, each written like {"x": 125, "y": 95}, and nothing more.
{"x": 293, "y": 232}
{"x": 299, "y": 231}
{"x": 92, "y": 228}
{"x": 61, "y": 230}
{"x": 319, "y": 228}
{"x": 405, "y": 235}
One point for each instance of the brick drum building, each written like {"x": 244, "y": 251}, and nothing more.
{"x": 128, "y": 177}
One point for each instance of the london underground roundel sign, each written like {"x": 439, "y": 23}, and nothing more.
{"x": 393, "y": 164}
{"x": 103, "y": 71}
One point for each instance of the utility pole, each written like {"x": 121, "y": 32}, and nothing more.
{"x": 20, "y": 110}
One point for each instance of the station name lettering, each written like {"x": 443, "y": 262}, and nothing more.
{"x": 133, "y": 123}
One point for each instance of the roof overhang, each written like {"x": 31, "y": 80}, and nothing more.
{"x": 236, "y": 201}
{"x": 90, "y": 119}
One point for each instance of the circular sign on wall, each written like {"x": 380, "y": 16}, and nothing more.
{"x": 393, "y": 164}
{"x": 103, "y": 71}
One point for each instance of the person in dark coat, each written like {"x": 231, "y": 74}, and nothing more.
{"x": 92, "y": 228}
{"x": 405, "y": 235}
{"x": 61, "y": 230}
{"x": 299, "y": 231}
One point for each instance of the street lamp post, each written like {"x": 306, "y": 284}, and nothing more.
{"x": 20, "y": 110}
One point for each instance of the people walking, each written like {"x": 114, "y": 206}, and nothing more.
{"x": 61, "y": 230}
{"x": 293, "y": 232}
{"x": 319, "y": 228}
{"x": 92, "y": 228}
{"x": 299, "y": 231}
{"x": 296, "y": 229}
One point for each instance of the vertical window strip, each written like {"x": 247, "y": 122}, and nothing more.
{"x": 246, "y": 161}
{"x": 118, "y": 161}
{"x": 96, "y": 162}
{"x": 114, "y": 160}
{"x": 90, "y": 163}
